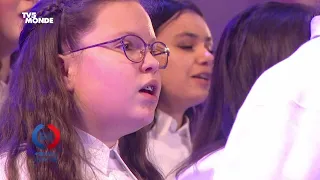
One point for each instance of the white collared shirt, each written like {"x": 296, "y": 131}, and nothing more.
{"x": 168, "y": 145}
{"x": 107, "y": 162}
{"x": 276, "y": 135}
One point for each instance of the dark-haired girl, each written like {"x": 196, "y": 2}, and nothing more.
{"x": 185, "y": 82}
{"x": 251, "y": 43}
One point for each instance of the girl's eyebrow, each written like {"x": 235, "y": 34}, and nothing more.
{"x": 152, "y": 39}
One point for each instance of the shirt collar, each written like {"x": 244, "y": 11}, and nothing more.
{"x": 100, "y": 154}
{"x": 167, "y": 124}
{"x": 91, "y": 142}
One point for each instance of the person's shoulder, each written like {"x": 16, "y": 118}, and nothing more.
{"x": 307, "y": 70}
{"x": 303, "y": 62}
{"x": 288, "y": 78}
{"x": 204, "y": 168}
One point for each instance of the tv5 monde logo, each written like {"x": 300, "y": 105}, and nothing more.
{"x": 46, "y": 141}
{"x": 31, "y": 17}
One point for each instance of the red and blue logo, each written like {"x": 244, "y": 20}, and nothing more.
{"x": 53, "y": 136}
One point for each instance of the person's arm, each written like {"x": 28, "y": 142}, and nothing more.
{"x": 303, "y": 161}
{"x": 276, "y": 135}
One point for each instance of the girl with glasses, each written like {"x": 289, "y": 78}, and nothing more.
{"x": 93, "y": 75}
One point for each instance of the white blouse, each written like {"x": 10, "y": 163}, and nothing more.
{"x": 169, "y": 145}
{"x": 107, "y": 162}
{"x": 276, "y": 135}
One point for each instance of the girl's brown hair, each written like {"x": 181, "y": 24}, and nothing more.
{"x": 37, "y": 94}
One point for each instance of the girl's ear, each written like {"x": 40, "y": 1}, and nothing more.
{"x": 69, "y": 68}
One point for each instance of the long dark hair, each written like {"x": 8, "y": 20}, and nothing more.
{"x": 37, "y": 94}
{"x": 160, "y": 12}
{"x": 252, "y": 42}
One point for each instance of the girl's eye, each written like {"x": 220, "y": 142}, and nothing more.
{"x": 186, "y": 47}
{"x": 127, "y": 46}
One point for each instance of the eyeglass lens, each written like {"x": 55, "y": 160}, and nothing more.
{"x": 135, "y": 50}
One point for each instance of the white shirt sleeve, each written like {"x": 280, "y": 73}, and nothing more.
{"x": 258, "y": 144}
{"x": 303, "y": 160}
{"x": 276, "y": 135}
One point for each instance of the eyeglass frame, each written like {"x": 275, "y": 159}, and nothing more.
{"x": 146, "y": 46}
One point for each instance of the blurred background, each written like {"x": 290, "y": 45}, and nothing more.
{"x": 219, "y": 12}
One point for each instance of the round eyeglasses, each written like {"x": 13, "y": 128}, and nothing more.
{"x": 135, "y": 49}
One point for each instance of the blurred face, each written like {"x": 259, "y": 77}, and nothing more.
{"x": 112, "y": 91}
{"x": 186, "y": 79}
{"x": 10, "y": 21}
